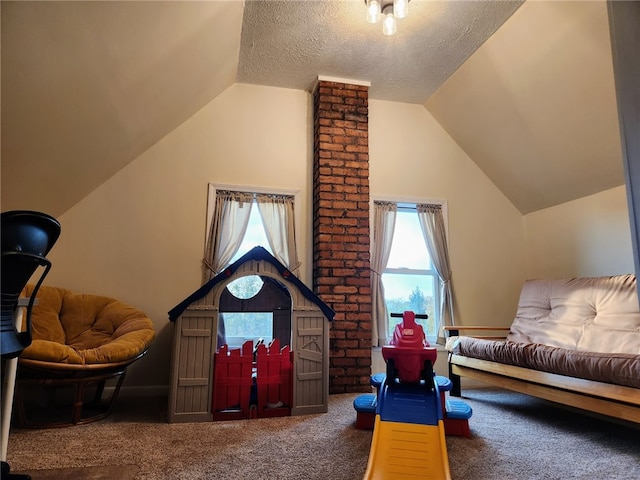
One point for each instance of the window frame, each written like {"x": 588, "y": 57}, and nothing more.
{"x": 410, "y": 203}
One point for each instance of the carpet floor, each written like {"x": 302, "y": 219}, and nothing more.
{"x": 514, "y": 436}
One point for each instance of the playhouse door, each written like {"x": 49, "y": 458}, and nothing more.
{"x": 194, "y": 344}
{"x": 311, "y": 362}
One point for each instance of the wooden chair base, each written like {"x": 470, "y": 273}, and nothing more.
{"x": 64, "y": 401}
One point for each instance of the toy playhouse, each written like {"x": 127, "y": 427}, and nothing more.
{"x": 290, "y": 376}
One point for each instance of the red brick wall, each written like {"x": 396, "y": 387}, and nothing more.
{"x": 341, "y": 228}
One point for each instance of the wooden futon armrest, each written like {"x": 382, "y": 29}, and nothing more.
{"x": 455, "y": 330}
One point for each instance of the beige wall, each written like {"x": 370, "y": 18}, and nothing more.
{"x": 585, "y": 237}
{"x": 140, "y": 235}
{"x": 411, "y": 155}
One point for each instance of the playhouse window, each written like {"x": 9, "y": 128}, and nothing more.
{"x": 245, "y": 288}
{"x": 243, "y": 326}
{"x": 410, "y": 281}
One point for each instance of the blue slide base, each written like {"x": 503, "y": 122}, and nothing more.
{"x": 409, "y": 403}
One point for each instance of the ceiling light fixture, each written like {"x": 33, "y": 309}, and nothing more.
{"x": 388, "y": 10}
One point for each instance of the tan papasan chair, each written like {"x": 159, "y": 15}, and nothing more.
{"x": 80, "y": 342}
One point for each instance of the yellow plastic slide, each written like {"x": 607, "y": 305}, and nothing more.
{"x": 402, "y": 451}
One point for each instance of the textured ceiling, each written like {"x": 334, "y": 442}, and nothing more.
{"x": 525, "y": 89}
{"x": 289, "y": 44}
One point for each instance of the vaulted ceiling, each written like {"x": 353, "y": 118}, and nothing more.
{"x": 526, "y": 89}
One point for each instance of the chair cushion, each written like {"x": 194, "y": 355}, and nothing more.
{"x": 86, "y": 329}
{"x": 47, "y": 313}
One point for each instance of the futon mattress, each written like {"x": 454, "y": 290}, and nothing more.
{"x": 616, "y": 368}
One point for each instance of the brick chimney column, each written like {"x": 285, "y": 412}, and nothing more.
{"x": 341, "y": 275}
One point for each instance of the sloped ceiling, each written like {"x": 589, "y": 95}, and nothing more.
{"x": 537, "y": 111}
{"x": 89, "y": 86}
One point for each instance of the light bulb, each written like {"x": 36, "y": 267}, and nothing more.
{"x": 373, "y": 11}
{"x": 389, "y": 23}
{"x": 400, "y": 8}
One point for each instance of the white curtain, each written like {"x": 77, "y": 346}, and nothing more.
{"x": 278, "y": 220}
{"x": 228, "y": 226}
{"x": 384, "y": 223}
{"x": 435, "y": 236}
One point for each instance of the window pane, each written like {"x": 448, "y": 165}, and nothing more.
{"x": 240, "y": 327}
{"x": 254, "y": 236}
{"x": 245, "y": 287}
{"x": 408, "y": 249}
{"x": 411, "y": 292}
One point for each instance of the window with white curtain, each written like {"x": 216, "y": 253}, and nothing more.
{"x": 270, "y": 224}
{"x": 410, "y": 280}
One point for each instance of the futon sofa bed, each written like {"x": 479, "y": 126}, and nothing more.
{"x": 573, "y": 341}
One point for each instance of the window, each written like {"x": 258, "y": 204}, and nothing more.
{"x": 228, "y": 214}
{"x": 409, "y": 279}
{"x": 254, "y": 236}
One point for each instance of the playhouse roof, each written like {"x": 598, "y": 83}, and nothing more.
{"x": 256, "y": 253}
